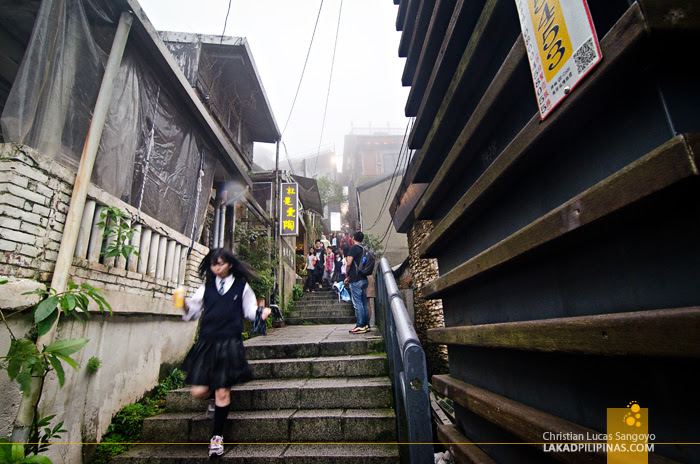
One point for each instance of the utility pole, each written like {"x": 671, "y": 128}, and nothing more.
{"x": 278, "y": 238}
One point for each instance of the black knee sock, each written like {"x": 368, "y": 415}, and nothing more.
{"x": 220, "y": 415}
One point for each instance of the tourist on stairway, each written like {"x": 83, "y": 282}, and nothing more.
{"x": 217, "y": 360}
{"x": 358, "y": 285}
{"x": 320, "y": 263}
{"x": 328, "y": 270}
{"x": 310, "y": 285}
{"x": 339, "y": 262}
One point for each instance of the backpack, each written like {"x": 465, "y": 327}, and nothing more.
{"x": 365, "y": 266}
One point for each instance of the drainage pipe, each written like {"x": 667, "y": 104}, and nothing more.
{"x": 25, "y": 414}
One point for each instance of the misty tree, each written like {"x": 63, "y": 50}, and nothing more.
{"x": 330, "y": 191}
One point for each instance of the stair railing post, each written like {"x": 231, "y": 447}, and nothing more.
{"x": 407, "y": 369}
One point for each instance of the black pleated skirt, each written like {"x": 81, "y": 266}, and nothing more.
{"x": 218, "y": 363}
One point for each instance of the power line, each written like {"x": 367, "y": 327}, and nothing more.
{"x": 225, "y": 21}
{"x": 393, "y": 178}
{"x": 303, "y": 69}
{"x": 328, "y": 92}
{"x": 396, "y": 170}
{"x": 286, "y": 153}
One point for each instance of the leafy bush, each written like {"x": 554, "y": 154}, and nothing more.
{"x": 93, "y": 364}
{"x": 126, "y": 426}
{"x": 298, "y": 291}
{"x": 254, "y": 248}
{"x": 118, "y": 230}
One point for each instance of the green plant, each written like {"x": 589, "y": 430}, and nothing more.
{"x": 24, "y": 360}
{"x": 42, "y": 433}
{"x": 257, "y": 249}
{"x": 330, "y": 191}
{"x": 93, "y": 364}
{"x": 125, "y": 430}
{"x": 118, "y": 232}
{"x": 373, "y": 243}
{"x": 298, "y": 291}
{"x": 264, "y": 284}
{"x": 13, "y": 453}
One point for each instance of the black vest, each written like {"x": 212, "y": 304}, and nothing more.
{"x": 223, "y": 314}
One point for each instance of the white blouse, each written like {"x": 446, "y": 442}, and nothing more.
{"x": 196, "y": 302}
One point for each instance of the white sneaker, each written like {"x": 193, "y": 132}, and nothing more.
{"x": 216, "y": 446}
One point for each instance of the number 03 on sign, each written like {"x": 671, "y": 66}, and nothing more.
{"x": 561, "y": 44}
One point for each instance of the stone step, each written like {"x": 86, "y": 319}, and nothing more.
{"x": 321, "y": 320}
{"x": 277, "y": 426}
{"x": 346, "y": 312}
{"x": 371, "y": 365}
{"x": 266, "y": 394}
{"x": 366, "y": 453}
{"x": 326, "y": 305}
{"x": 275, "y": 346}
{"x": 318, "y": 295}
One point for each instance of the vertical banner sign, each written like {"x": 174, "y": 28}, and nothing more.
{"x": 561, "y": 44}
{"x": 335, "y": 222}
{"x": 289, "y": 209}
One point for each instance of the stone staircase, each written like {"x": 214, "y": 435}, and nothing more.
{"x": 321, "y": 307}
{"x": 321, "y": 395}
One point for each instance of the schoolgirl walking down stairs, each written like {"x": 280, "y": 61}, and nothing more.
{"x": 217, "y": 360}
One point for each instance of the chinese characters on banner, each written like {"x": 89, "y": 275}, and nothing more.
{"x": 289, "y": 209}
{"x": 561, "y": 45}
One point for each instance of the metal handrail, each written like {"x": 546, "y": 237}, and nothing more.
{"x": 407, "y": 368}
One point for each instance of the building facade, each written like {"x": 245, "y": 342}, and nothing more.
{"x": 566, "y": 246}
{"x": 161, "y": 155}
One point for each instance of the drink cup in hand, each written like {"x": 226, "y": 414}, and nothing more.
{"x": 179, "y": 297}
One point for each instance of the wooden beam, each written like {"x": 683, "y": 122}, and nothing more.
{"x": 418, "y": 37}
{"x": 672, "y": 15}
{"x": 428, "y": 127}
{"x": 478, "y": 127}
{"x": 409, "y": 23}
{"x": 663, "y": 332}
{"x": 460, "y": 447}
{"x": 401, "y": 14}
{"x": 629, "y": 31}
{"x": 669, "y": 164}
{"x": 429, "y": 54}
{"x": 527, "y": 423}
{"x": 453, "y": 44}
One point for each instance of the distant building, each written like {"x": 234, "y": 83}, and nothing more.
{"x": 368, "y": 153}
{"x": 374, "y": 198}
{"x": 321, "y": 163}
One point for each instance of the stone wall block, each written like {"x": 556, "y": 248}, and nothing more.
{"x": 28, "y": 194}
{"x": 12, "y": 294}
{"x": 19, "y": 237}
{"x": 12, "y": 200}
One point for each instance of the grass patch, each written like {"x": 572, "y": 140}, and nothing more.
{"x": 127, "y": 424}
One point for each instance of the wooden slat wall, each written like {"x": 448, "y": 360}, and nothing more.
{"x": 567, "y": 248}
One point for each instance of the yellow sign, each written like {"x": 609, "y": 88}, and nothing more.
{"x": 289, "y": 203}
{"x": 554, "y": 44}
{"x": 628, "y": 435}
{"x": 562, "y": 47}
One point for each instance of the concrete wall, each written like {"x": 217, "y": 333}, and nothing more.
{"x": 144, "y": 332}
{"x": 371, "y": 199}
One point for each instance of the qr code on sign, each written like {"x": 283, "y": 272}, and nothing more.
{"x": 585, "y": 56}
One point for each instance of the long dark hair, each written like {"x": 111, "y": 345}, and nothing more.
{"x": 238, "y": 267}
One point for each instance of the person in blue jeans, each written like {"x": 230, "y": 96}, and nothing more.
{"x": 358, "y": 285}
